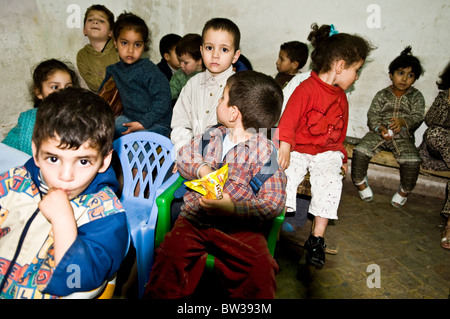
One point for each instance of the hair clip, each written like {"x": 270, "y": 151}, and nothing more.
{"x": 333, "y": 31}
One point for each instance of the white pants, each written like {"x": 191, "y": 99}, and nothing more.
{"x": 325, "y": 177}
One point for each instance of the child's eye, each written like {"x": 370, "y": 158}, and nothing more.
{"x": 225, "y": 50}
{"x": 54, "y": 87}
{"x": 411, "y": 75}
{"x": 124, "y": 43}
{"x": 84, "y": 162}
{"x": 138, "y": 45}
{"x": 52, "y": 159}
{"x": 208, "y": 48}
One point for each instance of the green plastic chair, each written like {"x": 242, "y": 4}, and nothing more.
{"x": 163, "y": 202}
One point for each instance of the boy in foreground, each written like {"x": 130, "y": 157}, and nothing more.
{"x": 62, "y": 228}
{"x": 233, "y": 228}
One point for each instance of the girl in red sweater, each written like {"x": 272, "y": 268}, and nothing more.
{"x": 313, "y": 127}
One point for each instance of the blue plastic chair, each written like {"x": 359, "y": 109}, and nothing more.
{"x": 146, "y": 159}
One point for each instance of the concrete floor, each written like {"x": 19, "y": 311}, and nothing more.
{"x": 382, "y": 252}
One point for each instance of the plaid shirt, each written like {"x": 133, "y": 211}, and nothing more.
{"x": 244, "y": 162}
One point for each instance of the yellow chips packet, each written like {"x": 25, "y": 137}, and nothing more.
{"x": 211, "y": 185}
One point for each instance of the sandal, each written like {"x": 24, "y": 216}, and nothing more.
{"x": 445, "y": 240}
{"x": 398, "y": 200}
{"x": 366, "y": 194}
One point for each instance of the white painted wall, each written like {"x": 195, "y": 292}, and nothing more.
{"x": 31, "y": 31}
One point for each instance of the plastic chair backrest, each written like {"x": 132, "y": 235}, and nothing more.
{"x": 141, "y": 153}
{"x": 146, "y": 159}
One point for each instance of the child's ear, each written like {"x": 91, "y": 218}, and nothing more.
{"x": 34, "y": 152}
{"x": 340, "y": 66}
{"x": 166, "y": 56}
{"x": 38, "y": 94}
{"x": 106, "y": 163}
{"x": 234, "y": 113}
{"x": 295, "y": 64}
{"x": 236, "y": 56}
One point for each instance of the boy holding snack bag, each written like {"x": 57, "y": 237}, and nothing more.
{"x": 234, "y": 227}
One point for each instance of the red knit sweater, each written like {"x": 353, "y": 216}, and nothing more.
{"x": 315, "y": 119}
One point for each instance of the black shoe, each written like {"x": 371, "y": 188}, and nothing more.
{"x": 315, "y": 251}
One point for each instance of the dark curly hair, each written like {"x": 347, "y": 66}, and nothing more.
{"x": 76, "y": 116}
{"x": 341, "y": 46}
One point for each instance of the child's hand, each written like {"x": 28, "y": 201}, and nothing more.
{"x": 133, "y": 127}
{"x": 284, "y": 154}
{"x": 218, "y": 207}
{"x": 384, "y": 132}
{"x": 344, "y": 168}
{"x": 56, "y": 205}
{"x": 175, "y": 168}
{"x": 397, "y": 124}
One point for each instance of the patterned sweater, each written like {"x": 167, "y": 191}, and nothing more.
{"x": 96, "y": 254}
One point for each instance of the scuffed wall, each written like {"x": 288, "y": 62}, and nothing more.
{"x": 32, "y": 31}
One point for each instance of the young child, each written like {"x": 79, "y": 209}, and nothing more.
{"x": 313, "y": 127}
{"x": 169, "y": 62}
{"x": 232, "y": 228}
{"x": 292, "y": 57}
{"x": 49, "y": 76}
{"x": 195, "y": 108}
{"x": 63, "y": 230}
{"x": 190, "y": 57}
{"x": 435, "y": 147}
{"x": 93, "y": 59}
{"x": 143, "y": 89}
{"x": 394, "y": 115}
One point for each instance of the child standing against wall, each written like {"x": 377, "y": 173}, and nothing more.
{"x": 291, "y": 58}
{"x": 195, "y": 108}
{"x": 190, "y": 57}
{"x": 49, "y": 76}
{"x": 395, "y": 113}
{"x": 313, "y": 127}
{"x": 93, "y": 59}
{"x": 143, "y": 88}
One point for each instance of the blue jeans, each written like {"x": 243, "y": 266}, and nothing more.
{"x": 156, "y": 128}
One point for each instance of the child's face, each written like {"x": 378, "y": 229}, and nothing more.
{"x": 218, "y": 51}
{"x": 130, "y": 46}
{"x": 348, "y": 75}
{"x": 56, "y": 81}
{"x": 68, "y": 169}
{"x": 402, "y": 79}
{"x": 172, "y": 59}
{"x": 188, "y": 64}
{"x": 285, "y": 65}
{"x": 97, "y": 26}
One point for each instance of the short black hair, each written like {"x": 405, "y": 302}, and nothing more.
{"x": 405, "y": 60}
{"x": 226, "y": 25}
{"x": 130, "y": 21}
{"x": 168, "y": 42}
{"x": 76, "y": 116}
{"x": 296, "y": 51}
{"x": 258, "y": 97}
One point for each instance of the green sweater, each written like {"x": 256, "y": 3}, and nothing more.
{"x": 178, "y": 81}
{"x": 20, "y": 136}
{"x": 92, "y": 64}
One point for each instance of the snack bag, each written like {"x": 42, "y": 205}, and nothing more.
{"x": 211, "y": 185}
